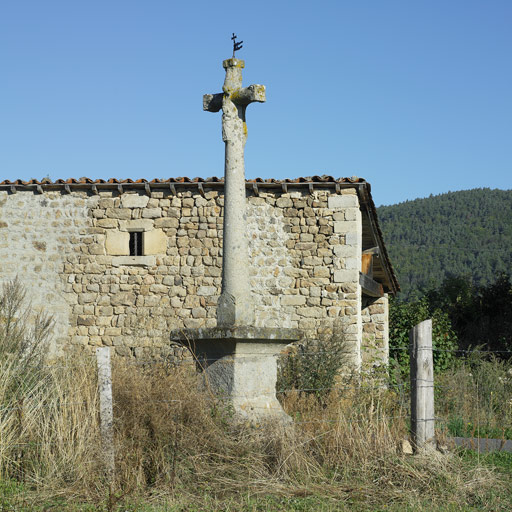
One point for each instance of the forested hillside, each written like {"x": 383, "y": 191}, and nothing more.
{"x": 465, "y": 233}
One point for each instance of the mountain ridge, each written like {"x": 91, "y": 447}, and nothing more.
{"x": 464, "y": 233}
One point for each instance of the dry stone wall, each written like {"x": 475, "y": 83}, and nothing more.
{"x": 72, "y": 250}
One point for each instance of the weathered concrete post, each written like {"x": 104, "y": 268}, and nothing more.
{"x": 239, "y": 359}
{"x": 106, "y": 409}
{"x": 422, "y": 386}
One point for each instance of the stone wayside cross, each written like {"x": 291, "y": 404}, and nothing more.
{"x": 235, "y": 306}
{"x": 238, "y": 359}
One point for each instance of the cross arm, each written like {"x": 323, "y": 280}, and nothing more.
{"x": 243, "y": 96}
{"x": 247, "y": 95}
{"x": 212, "y": 102}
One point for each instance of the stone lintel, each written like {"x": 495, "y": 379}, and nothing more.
{"x": 136, "y": 261}
{"x": 136, "y": 225}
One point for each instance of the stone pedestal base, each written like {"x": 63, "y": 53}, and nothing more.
{"x": 240, "y": 366}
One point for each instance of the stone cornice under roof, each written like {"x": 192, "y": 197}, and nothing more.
{"x": 319, "y": 182}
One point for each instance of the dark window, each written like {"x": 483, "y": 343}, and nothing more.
{"x": 136, "y": 243}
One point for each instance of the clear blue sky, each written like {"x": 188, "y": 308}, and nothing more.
{"x": 414, "y": 96}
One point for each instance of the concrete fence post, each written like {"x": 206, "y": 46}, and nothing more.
{"x": 106, "y": 409}
{"x": 422, "y": 386}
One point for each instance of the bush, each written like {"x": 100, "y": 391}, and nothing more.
{"x": 403, "y": 316}
{"x": 313, "y": 366}
{"x": 23, "y": 339}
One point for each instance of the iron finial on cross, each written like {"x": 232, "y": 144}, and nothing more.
{"x": 236, "y": 46}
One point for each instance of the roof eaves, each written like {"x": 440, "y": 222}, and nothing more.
{"x": 114, "y": 181}
{"x": 365, "y": 197}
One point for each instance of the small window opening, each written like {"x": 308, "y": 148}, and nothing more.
{"x": 136, "y": 246}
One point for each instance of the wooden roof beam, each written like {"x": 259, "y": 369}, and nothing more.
{"x": 370, "y": 287}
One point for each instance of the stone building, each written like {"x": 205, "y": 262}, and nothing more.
{"x": 122, "y": 263}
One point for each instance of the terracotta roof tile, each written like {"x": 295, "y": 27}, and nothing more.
{"x": 184, "y": 179}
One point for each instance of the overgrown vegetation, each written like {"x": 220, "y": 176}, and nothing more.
{"x": 177, "y": 448}
{"x": 47, "y": 430}
{"x": 464, "y": 316}
{"x": 480, "y": 315}
{"x": 403, "y": 316}
{"x": 472, "y": 341}
{"x": 23, "y": 335}
{"x": 474, "y": 397}
{"x": 313, "y": 367}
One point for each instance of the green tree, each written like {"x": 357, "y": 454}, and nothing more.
{"x": 465, "y": 233}
{"x": 403, "y": 316}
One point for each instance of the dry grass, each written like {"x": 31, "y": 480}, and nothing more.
{"x": 49, "y": 431}
{"x": 174, "y": 436}
{"x": 176, "y": 444}
{"x": 474, "y": 397}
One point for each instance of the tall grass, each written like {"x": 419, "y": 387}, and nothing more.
{"x": 474, "y": 397}
{"x": 176, "y": 442}
{"x": 178, "y": 445}
{"x": 48, "y": 424}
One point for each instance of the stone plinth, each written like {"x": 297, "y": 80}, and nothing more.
{"x": 240, "y": 366}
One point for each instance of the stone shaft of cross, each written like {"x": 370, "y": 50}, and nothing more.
{"x": 235, "y": 307}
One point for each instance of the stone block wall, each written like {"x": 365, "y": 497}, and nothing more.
{"x": 348, "y": 226}
{"x": 72, "y": 252}
{"x": 375, "y": 340}
{"x": 39, "y": 236}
